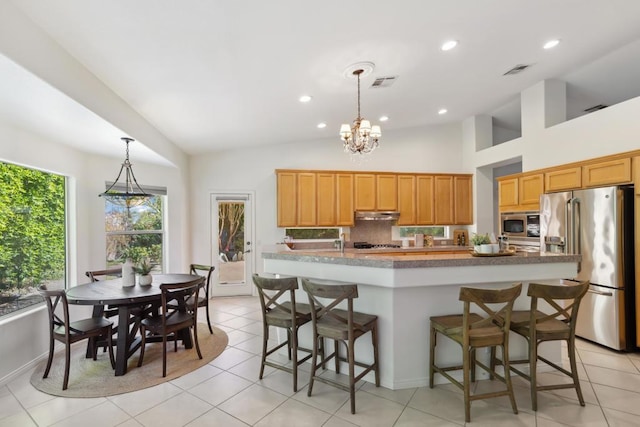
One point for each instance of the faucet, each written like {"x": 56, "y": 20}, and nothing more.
{"x": 339, "y": 243}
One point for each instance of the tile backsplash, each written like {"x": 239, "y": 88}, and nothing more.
{"x": 376, "y": 232}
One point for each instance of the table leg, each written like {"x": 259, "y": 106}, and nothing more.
{"x": 122, "y": 346}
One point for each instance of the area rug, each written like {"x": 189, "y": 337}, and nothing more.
{"x": 89, "y": 378}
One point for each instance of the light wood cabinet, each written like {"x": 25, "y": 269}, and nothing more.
{"x": 520, "y": 193}
{"x": 530, "y": 189}
{"x": 330, "y": 198}
{"x": 443, "y": 190}
{"x": 425, "y": 197}
{"x": 612, "y": 172}
{"x": 365, "y": 192}
{"x": 463, "y": 200}
{"x": 407, "y": 199}
{"x": 508, "y": 194}
{"x": 326, "y": 191}
{"x": 387, "y": 192}
{"x": 306, "y": 199}
{"x": 563, "y": 179}
{"x": 344, "y": 199}
{"x": 287, "y": 194}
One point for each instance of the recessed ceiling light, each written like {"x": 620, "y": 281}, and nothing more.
{"x": 322, "y": 125}
{"x": 383, "y": 118}
{"x": 305, "y": 98}
{"x": 551, "y": 44}
{"x": 448, "y": 45}
{"x": 442, "y": 111}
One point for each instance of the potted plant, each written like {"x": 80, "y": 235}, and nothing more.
{"x": 144, "y": 268}
{"x": 477, "y": 240}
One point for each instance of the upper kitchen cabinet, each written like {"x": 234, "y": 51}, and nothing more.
{"x": 425, "y": 200}
{"x": 530, "y": 189}
{"x": 563, "y": 179}
{"x": 306, "y": 200}
{"x": 407, "y": 199}
{"x": 326, "y": 190}
{"x": 387, "y": 192}
{"x": 520, "y": 193}
{"x": 344, "y": 199}
{"x": 463, "y": 200}
{"x": 443, "y": 188}
{"x": 329, "y": 198}
{"x": 314, "y": 199}
{"x": 365, "y": 191}
{"x": 610, "y": 172}
{"x": 508, "y": 193}
{"x": 287, "y": 196}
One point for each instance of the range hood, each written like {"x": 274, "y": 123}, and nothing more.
{"x": 377, "y": 215}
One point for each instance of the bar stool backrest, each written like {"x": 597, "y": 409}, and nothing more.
{"x": 552, "y": 295}
{"x": 335, "y": 295}
{"x": 496, "y": 306}
{"x": 270, "y": 290}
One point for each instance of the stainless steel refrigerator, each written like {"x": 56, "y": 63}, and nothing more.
{"x": 598, "y": 224}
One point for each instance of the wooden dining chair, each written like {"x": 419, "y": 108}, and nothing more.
{"x": 341, "y": 326}
{"x": 137, "y": 313}
{"x": 473, "y": 331}
{"x": 553, "y": 324}
{"x": 99, "y": 275}
{"x": 289, "y": 315}
{"x": 173, "y": 318}
{"x": 67, "y": 332}
{"x": 202, "y": 299}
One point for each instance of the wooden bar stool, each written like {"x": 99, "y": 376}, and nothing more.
{"x": 288, "y": 315}
{"x": 537, "y": 327}
{"x": 473, "y": 331}
{"x": 343, "y": 326}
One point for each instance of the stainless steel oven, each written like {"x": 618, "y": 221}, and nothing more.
{"x": 521, "y": 227}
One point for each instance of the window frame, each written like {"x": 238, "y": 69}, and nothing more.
{"x": 66, "y": 227}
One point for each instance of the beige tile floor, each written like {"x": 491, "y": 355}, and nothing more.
{"x": 227, "y": 392}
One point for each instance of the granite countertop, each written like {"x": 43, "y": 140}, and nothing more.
{"x": 379, "y": 259}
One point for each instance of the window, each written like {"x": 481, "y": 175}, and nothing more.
{"x": 32, "y": 235}
{"x": 427, "y": 231}
{"x": 135, "y": 230}
{"x": 313, "y": 233}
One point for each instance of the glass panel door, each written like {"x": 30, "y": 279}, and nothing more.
{"x": 232, "y": 245}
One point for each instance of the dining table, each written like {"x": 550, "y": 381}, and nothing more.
{"x": 128, "y": 300}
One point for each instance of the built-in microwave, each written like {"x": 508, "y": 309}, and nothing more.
{"x": 521, "y": 226}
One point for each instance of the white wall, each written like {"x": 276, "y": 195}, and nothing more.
{"x": 435, "y": 149}
{"x": 25, "y": 338}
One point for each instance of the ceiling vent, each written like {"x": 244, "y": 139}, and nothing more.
{"x": 384, "y": 82}
{"x": 595, "y": 108}
{"x": 517, "y": 69}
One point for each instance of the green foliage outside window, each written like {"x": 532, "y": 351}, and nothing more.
{"x": 427, "y": 231}
{"x": 32, "y": 235}
{"x": 313, "y": 233}
{"x": 134, "y": 232}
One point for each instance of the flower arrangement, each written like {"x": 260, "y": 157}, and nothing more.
{"x": 480, "y": 239}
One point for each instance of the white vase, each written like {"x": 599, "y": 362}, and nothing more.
{"x": 128, "y": 275}
{"x": 145, "y": 280}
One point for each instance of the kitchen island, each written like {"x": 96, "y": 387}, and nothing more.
{"x": 404, "y": 289}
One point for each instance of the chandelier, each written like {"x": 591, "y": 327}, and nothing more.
{"x": 361, "y": 138}
{"x": 130, "y": 193}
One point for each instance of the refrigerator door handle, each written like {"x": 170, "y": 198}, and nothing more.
{"x": 605, "y": 294}
{"x": 576, "y": 243}
{"x": 568, "y": 248}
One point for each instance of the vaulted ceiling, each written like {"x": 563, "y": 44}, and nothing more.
{"x": 213, "y": 75}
